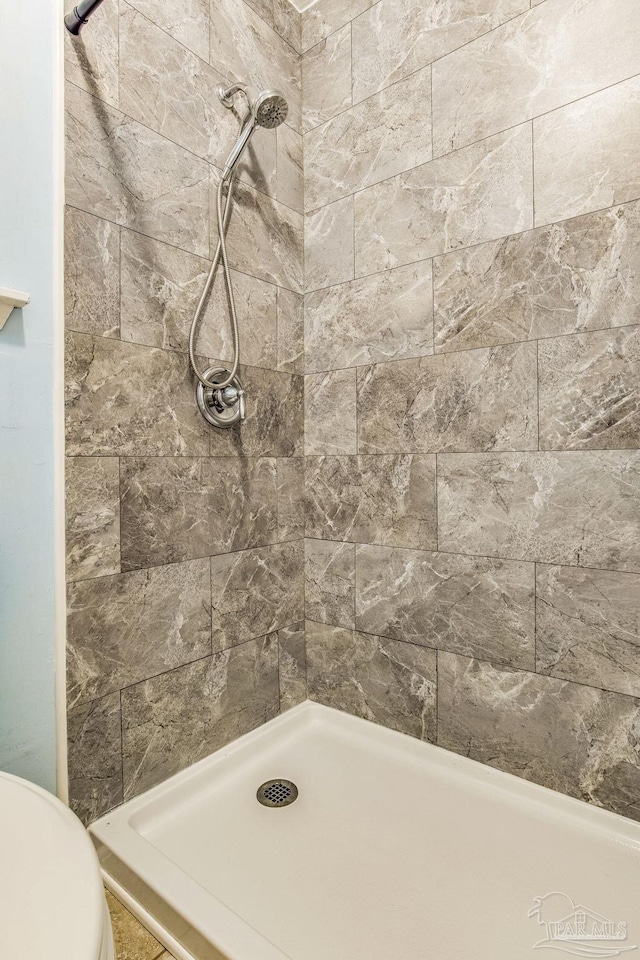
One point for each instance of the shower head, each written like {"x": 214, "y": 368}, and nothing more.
{"x": 270, "y": 109}
{"x": 267, "y": 109}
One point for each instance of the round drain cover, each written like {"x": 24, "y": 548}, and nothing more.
{"x": 277, "y": 793}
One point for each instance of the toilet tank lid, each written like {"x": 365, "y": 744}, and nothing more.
{"x": 51, "y": 894}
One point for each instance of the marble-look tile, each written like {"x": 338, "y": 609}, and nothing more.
{"x": 283, "y": 17}
{"x": 328, "y": 245}
{"x": 563, "y": 278}
{"x": 481, "y": 192}
{"x": 91, "y": 58}
{"x": 394, "y": 38}
{"x": 274, "y": 422}
{"x": 469, "y": 605}
{"x": 170, "y": 89}
{"x": 132, "y": 941}
{"x": 388, "y": 500}
{"x": 473, "y": 400}
{"x": 120, "y": 170}
{"x": 330, "y": 413}
{"x": 177, "y": 718}
{"x": 274, "y": 425}
{"x": 265, "y": 238}
{"x": 275, "y": 413}
{"x": 244, "y": 47}
{"x": 126, "y": 628}
{"x": 91, "y": 274}
{"x": 329, "y": 582}
{"x": 161, "y": 287}
{"x": 587, "y": 154}
{"x": 123, "y": 399}
{"x": 382, "y": 680}
{"x": 554, "y": 54}
{"x": 580, "y": 508}
{"x": 566, "y": 736}
{"x": 290, "y": 331}
{"x": 384, "y": 317}
{"x": 326, "y": 16}
{"x": 588, "y": 627}
{"x": 183, "y": 508}
{"x": 326, "y": 79}
{"x": 292, "y": 666}
{"x": 375, "y": 140}
{"x": 186, "y": 20}
{"x": 92, "y": 493}
{"x": 290, "y": 189}
{"x": 95, "y": 757}
{"x": 290, "y": 498}
{"x": 256, "y": 592}
{"x": 590, "y": 390}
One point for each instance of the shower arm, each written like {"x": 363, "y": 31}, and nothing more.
{"x": 75, "y": 20}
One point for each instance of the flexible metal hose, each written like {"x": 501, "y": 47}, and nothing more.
{"x": 220, "y": 254}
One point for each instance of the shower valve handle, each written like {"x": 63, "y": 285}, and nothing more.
{"x": 232, "y": 395}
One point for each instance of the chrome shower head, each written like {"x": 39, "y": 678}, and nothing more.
{"x": 270, "y": 109}
{"x": 267, "y": 109}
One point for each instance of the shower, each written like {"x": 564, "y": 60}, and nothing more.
{"x": 219, "y": 392}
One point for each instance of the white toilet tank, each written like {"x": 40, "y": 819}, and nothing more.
{"x": 52, "y": 902}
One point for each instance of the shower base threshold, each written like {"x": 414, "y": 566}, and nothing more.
{"x": 393, "y": 850}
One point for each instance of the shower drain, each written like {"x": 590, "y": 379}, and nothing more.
{"x": 277, "y": 793}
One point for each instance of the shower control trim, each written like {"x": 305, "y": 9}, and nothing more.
{"x": 222, "y": 407}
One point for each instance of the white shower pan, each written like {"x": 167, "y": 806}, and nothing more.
{"x": 394, "y": 850}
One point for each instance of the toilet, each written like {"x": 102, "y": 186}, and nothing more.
{"x": 52, "y": 902}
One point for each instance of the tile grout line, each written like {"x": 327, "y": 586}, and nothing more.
{"x": 121, "y": 743}
{"x": 431, "y": 62}
{"x": 496, "y": 664}
{"x": 350, "y": 63}
{"x": 437, "y": 695}
{"x": 119, "y": 515}
{"x": 183, "y": 666}
{"x": 193, "y": 53}
{"x": 533, "y": 175}
{"x": 535, "y": 617}
{"x": 211, "y": 650}
{"x": 478, "y": 243}
{"x": 210, "y": 163}
{"x": 481, "y": 556}
{"x": 538, "y": 390}
{"x": 465, "y": 350}
{"x": 181, "y": 353}
{"x": 355, "y": 586}
{"x": 437, "y": 511}
{"x": 183, "y": 458}
{"x": 174, "y": 246}
{"x": 480, "y": 140}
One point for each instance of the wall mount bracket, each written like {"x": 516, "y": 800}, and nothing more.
{"x": 10, "y": 299}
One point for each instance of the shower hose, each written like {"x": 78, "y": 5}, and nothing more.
{"x": 220, "y": 254}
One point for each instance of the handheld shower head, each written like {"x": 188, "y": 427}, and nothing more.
{"x": 270, "y": 109}
{"x": 267, "y": 109}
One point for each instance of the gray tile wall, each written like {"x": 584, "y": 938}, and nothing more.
{"x": 472, "y": 416}
{"x": 462, "y": 452}
{"x": 185, "y": 549}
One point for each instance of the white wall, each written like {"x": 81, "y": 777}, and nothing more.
{"x": 30, "y": 384}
